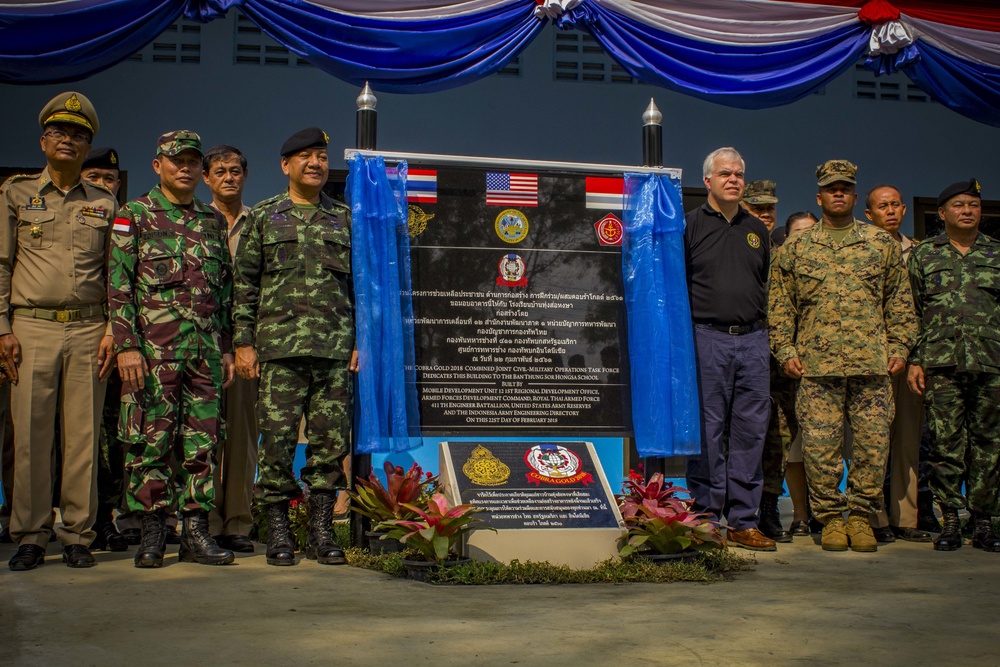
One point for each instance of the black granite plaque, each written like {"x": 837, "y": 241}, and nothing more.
{"x": 532, "y": 484}
{"x": 519, "y": 313}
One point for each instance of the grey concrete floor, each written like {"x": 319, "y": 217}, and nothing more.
{"x": 904, "y": 605}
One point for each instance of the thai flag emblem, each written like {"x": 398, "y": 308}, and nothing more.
{"x": 421, "y": 186}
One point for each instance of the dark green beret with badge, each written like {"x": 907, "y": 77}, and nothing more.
{"x": 311, "y": 137}
{"x": 969, "y": 187}
{"x": 759, "y": 193}
{"x": 72, "y": 108}
{"x": 102, "y": 158}
{"x": 178, "y": 141}
{"x": 833, "y": 171}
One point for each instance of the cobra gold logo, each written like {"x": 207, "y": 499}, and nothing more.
{"x": 484, "y": 469}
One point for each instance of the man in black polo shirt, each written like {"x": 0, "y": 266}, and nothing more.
{"x": 728, "y": 254}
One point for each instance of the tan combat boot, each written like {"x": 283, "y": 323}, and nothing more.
{"x": 859, "y": 532}
{"x": 834, "y": 535}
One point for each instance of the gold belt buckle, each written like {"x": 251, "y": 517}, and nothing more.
{"x": 63, "y": 315}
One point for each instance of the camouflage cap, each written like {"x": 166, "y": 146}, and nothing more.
{"x": 102, "y": 158}
{"x": 311, "y": 137}
{"x": 832, "y": 171}
{"x": 70, "y": 107}
{"x": 761, "y": 192}
{"x": 178, "y": 141}
{"x": 969, "y": 187}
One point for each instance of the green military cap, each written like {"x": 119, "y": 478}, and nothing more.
{"x": 761, "y": 192}
{"x": 102, "y": 158}
{"x": 70, "y": 107}
{"x": 832, "y": 171}
{"x": 174, "y": 143}
{"x": 311, "y": 137}
{"x": 969, "y": 187}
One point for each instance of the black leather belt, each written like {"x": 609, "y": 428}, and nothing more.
{"x": 734, "y": 329}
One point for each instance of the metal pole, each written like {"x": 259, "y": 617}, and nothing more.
{"x": 361, "y": 465}
{"x": 652, "y": 156}
{"x": 652, "y": 136}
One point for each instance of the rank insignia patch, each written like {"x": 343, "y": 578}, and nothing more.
{"x": 511, "y": 225}
{"x": 512, "y": 270}
{"x": 36, "y": 203}
{"x": 609, "y": 230}
{"x": 95, "y": 212}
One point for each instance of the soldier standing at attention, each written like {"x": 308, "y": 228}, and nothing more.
{"x": 727, "y": 254}
{"x": 53, "y": 347}
{"x": 956, "y": 364}
{"x": 885, "y": 208}
{"x": 224, "y": 170}
{"x": 761, "y": 199}
{"x": 294, "y": 328}
{"x": 171, "y": 290}
{"x": 842, "y": 320}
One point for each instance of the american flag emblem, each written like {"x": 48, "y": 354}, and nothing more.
{"x": 511, "y": 189}
{"x": 605, "y": 193}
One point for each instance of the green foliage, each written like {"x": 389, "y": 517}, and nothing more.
{"x": 710, "y": 566}
{"x": 660, "y": 522}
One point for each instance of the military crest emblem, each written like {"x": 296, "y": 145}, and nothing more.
{"x": 555, "y": 464}
{"x": 73, "y": 104}
{"x": 511, "y": 225}
{"x": 610, "y": 230}
{"x": 485, "y": 469}
{"x": 416, "y": 221}
{"x": 753, "y": 240}
{"x": 512, "y": 271}
{"x": 36, "y": 203}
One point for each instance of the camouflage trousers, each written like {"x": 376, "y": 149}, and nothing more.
{"x": 320, "y": 389}
{"x": 781, "y": 431}
{"x": 110, "y": 451}
{"x": 822, "y": 404}
{"x": 173, "y": 423}
{"x": 964, "y": 422}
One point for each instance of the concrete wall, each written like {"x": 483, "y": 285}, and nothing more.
{"x": 920, "y": 147}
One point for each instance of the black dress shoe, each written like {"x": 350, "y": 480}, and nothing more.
{"x": 77, "y": 555}
{"x": 132, "y": 536}
{"x": 815, "y": 526}
{"x": 800, "y": 529}
{"x": 108, "y": 538}
{"x": 5, "y": 537}
{"x": 28, "y": 557}
{"x": 238, "y": 543}
{"x": 912, "y": 534}
{"x": 884, "y": 535}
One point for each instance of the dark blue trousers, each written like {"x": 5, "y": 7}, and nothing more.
{"x": 726, "y": 479}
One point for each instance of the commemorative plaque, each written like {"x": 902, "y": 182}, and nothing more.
{"x": 519, "y": 317}
{"x": 548, "y": 500}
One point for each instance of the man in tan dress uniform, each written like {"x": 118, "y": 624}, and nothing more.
{"x": 53, "y": 348}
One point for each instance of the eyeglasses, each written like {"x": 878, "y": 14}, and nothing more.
{"x": 60, "y": 135}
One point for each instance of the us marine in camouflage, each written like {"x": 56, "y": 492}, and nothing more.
{"x": 294, "y": 328}
{"x": 956, "y": 364}
{"x": 170, "y": 295}
{"x": 842, "y": 320}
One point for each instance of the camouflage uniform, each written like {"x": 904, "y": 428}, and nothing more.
{"x": 783, "y": 426}
{"x": 957, "y": 300}
{"x": 294, "y": 304}
{"x": 170, "y": 295}
{"x": 844, "y": 309}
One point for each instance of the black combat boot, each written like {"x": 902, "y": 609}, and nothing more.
{"x": 280, "y": 546}
{"x": 153, "y": 541}
{"x": 769, "y": 522}
{"x": 108, "y": 538}
{"x": 925, "y": 513}
{"x": 951, "y": 535}
{"x": 985, "y": 538}
{"x": 197, "y": 545}
{"x": 321, "y": 547}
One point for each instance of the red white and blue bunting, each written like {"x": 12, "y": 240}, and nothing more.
{"x": 743, "y": 53}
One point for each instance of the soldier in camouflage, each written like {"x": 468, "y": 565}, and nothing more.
{"x": 170, "y": 294}
{"x": 294, "y": 328}
{"x": 956, "y": 364}
{"x": 842, "y": 320}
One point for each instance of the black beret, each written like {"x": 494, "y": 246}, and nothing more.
{"x": 311, "y": 137}
{"x": 969, "y": 187}
{"x": 102, "y": 158}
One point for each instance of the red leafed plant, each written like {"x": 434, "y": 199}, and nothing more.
{"x": 436, "y": 532}
{"x": 660, "y": 522}
{"x": 379, "y": 503}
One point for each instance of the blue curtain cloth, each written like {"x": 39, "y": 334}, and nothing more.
{"x": 665, "y": 415}
{"x": 386, "y": 410}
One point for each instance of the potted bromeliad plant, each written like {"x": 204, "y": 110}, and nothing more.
{"x": 384, "y": 503}
{"x": 432, "y": 538}
{"x": 660, "y": 525}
